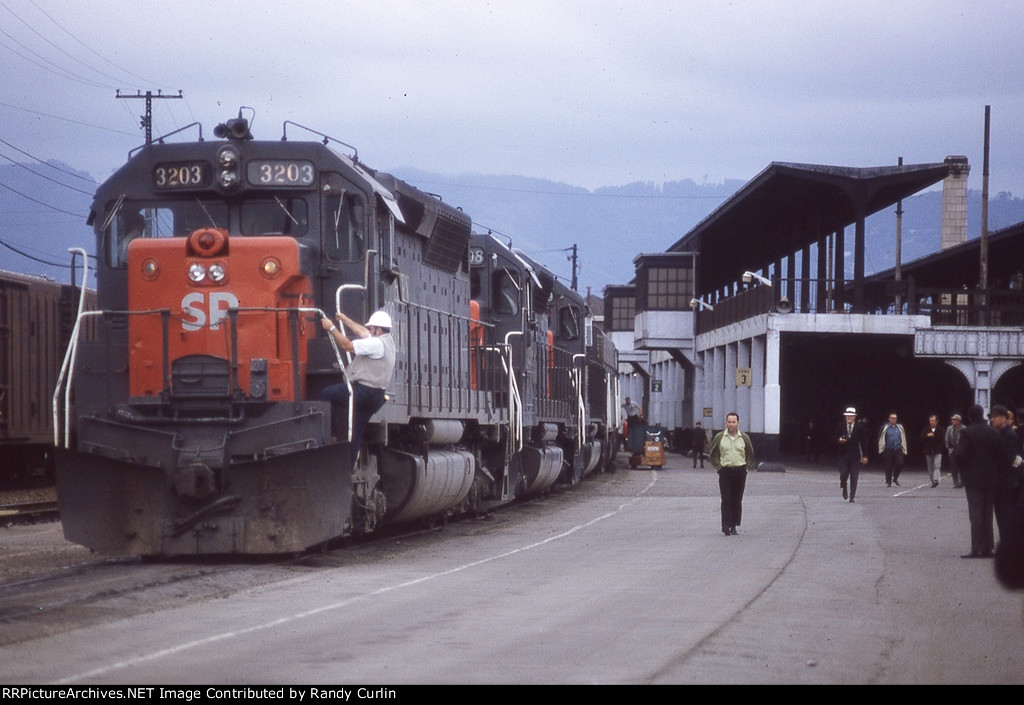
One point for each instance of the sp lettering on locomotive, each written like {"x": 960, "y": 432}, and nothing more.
{"x": 198, "y": 312}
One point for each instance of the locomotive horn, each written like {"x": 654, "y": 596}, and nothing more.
{"x": 235, "y": 129}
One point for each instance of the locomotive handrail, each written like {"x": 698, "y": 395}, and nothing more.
{"x": 581, "y": 410}
{"x": 334, "y": 343}
{"x": 66, "y": 375}
{"x": 67, "y": 369}
{"x": 340, "y": 290}
{"x": 71, "y": 352}
{"x": 451, "y": 314}
{"x": 341, "y": 366}
{"x": 515, "y": 402}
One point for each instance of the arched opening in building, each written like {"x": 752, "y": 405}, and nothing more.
{"x": 1009, "y": 389}
{"x": 822, "y": 374}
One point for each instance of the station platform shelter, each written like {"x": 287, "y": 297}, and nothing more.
{"x": 764, "y": 308}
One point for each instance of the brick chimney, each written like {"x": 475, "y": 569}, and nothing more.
{"x": 954, "y": 202}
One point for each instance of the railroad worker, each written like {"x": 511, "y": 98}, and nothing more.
{"x": 952, "y": 438}
{"x": 1008, "y": 478}
{"x": 732, "y": 455}
{"x": 133, "y": 225}
{"x": 979, "y": 453}
{"x": 698, "y": 442}
{"x": 634, "y": 413}
{"x": 933, "y": 438}
{"x": 634, "y": 419}
{"x": 851, "y": 438}
{"x": 370, "y": 371}
{"x": 892, "y": 445}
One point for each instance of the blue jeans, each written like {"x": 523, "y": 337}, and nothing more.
{"x": 366, "y": 401}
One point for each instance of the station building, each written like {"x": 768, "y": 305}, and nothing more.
{"x": 764, "y": 308}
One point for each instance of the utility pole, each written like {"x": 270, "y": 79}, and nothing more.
{"x": 146, "y": 121}
{"x": 983, "y": 283}
{"x": 899, "y": 247}
{"x": 574, "y": 282}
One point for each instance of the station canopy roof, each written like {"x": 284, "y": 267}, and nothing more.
{"x": 960, "y": 265}
{"x": 789, "y": 206}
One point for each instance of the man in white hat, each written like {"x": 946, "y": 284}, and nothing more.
{"x": 853, "y": 441}
{"x": 370, "y": 371}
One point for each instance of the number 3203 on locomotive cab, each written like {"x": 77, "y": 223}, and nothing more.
{"x": 280, "y": 172}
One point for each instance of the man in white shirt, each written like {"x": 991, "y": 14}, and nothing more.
{"x": 369, "y": 372}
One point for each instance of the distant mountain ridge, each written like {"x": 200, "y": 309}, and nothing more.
{"x": 610, "y": 225}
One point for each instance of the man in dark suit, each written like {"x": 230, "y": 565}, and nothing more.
{"x": 978, "y": 454}
{"x": 853, "y": 441}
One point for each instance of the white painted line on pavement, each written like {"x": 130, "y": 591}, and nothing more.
{"x": 345, "y": 603}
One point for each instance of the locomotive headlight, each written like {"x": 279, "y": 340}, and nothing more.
{"x": 196, "y": 272}
{"x": 228, "y": 158}
{"x": 270, "y": 267}
{"x": 150, "y": 269}
{"x": 217, "y": 272}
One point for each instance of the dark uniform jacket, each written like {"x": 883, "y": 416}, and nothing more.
{"x": 979, "y": 454}
{"x": 857, "y": 443}
{"x": 935, "y": 444}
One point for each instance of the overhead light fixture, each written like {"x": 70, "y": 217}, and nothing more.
{"x": 748, "y": 277}
{"x": 697, "y": 303}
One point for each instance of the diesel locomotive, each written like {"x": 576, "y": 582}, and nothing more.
{"x": 191, "y": 422}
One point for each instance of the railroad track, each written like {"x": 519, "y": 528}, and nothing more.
{"x": 26, "y": 512}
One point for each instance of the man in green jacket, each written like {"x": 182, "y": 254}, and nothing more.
{"x": 732, "y": 455}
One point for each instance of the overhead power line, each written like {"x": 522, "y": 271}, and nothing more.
{"x": 12, "y": 248}
{"x": 48, "y": 65}
{"x": 76, "y": 122}
{"x": 44, "y": 176}
{"x": 57, "y": 168}
{"x": 88, "y": 48}
{"x": 35, "y": 200}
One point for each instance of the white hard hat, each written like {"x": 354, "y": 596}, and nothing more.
{"x": 380, "y": 319}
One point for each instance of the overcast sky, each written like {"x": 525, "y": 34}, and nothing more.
{"x": 590, "y": 93}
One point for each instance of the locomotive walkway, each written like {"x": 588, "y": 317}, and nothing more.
{"x": 625, "y": 579}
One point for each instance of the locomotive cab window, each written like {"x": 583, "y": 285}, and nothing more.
{"x": 343, "y": 227}
{"x": 568, "y": 323}
{"x": 474, "y": 284}
{"x": 133, "y": 219}
{"x": 506, "y": 293}
{"x": 276, "y": 216}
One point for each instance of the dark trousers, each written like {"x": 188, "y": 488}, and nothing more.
{"x": 1004, "y": 499}
{"x": 698, "y": 454}
{"x": 979, "y": 510}
{"x": 893, "y": 462}
{"x": 366, "y": 401}
{"x": 953, "y": 469}
{"x": 849, "y": 470}
{"x": 731, "y": 483}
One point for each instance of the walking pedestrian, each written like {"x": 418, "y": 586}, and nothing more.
{"x": 933, "y": 438}
{"x": 952, "y": 438}
{"x": 892, "y": 444}
{"x": 698, "y": 442}
{"x": 732, "y": 455}
{"x": 851, "y": 438}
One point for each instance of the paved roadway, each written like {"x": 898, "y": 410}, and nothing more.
{"x": 626, "y": 579}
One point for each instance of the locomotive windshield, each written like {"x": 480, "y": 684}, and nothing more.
{"x": 130, "y": 219}
{"x": 278, "y": 216}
